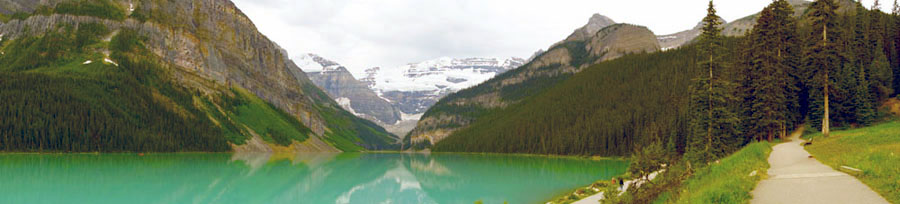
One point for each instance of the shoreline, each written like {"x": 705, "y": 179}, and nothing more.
{"x": 593, "y": 158}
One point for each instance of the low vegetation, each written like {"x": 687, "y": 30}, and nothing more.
{"x": 729, "y": 180}
{"x": 105, "y": 9}
{"x": 875, "y": 150}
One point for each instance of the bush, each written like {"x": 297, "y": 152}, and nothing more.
{"x": 96, "y": 8}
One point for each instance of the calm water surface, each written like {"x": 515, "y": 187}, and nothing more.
{"x": 320, "y": 178}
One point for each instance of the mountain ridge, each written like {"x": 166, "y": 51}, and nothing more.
{"x": 556, "y": 64}
{"x": 409, "y": 89}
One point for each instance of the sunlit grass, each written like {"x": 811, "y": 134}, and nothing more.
{"x": 875, "y": 150}
{"x": 728, "y": 181}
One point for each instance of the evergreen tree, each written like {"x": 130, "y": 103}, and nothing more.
{"x": 713, "y": 125}
{"x": 895, "y": 33}
{"x": 865, "y": 111}
{"x": 821, "y": 59}
{"x": 880, "y": 51}
{"x": 771, "y": 58}
{"x": 880, "y": 77}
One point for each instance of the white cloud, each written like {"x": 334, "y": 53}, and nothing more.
{"x": 389, "y": 33}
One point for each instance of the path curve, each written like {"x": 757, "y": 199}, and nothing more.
{"x": 795, "y": 178}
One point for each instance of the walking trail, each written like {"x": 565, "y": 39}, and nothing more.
{"x": 796, "y": 178}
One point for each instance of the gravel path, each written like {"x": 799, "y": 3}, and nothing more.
{"x": 796, "y": 179}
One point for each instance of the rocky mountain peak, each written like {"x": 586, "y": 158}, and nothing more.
{"x": 595, "y": 23}
{"x": 322, "y": 61}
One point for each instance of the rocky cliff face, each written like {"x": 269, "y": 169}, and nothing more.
{"x": 569, "y": 56}
{"x": 213, "y": 45}
{"x": 675, "y": 40}
{"x": 353, "y": 95}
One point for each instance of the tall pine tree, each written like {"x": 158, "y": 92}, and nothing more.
{"x": 772, "y": 57}
{"x": 895, "y": 37}
{"x": 821, "y": 59}
{"x": 880, "y": 73}
{"x": 714, "y": 128}
{"x": 863, "y": 101}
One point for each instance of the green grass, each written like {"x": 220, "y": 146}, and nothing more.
{"x": 724, "y": 182}
{"x": 875, "y": 150}
{"x": 271, "y": 123}
{"x": 97, "y": 8}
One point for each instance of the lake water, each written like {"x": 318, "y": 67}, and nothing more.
{"x": 319, "y": 178}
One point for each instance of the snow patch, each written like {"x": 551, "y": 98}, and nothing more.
{"x": 408, "y": 117}
{"x": 88, "y": 62}
{"x": 440, "y": 75}
{"x": 307, "y": 64}
{"x": 666, "y": 37}
{"x": 107, "y": 60}
{"x": 346, "y": 104}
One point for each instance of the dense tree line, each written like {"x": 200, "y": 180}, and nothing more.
{"x": 600, "y": 111}
{"x": 827, "y": 70}
{"x": 711, "y": 97}
{"x": 55, "y": 100}
{"x": 53, "y": 103}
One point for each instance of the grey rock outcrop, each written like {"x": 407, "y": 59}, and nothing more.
{"x": 352, "y": 94}
{"x": 595, "y": 23}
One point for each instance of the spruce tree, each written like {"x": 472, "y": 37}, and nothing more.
{"x": 789, "y": 51}
{"x": 772, "y": 56}
{"x": 895, "y": 33}
{"x": 714, "y": 126}
{"x": 821, "y": 59}
{"x": 880, "y": 77}
{"x": 864, "y": 103}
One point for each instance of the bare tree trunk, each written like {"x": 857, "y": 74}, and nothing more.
{"x": 783, "y": 130}
{"x": 709, "y": 102}
{"x": 825, "y": 121}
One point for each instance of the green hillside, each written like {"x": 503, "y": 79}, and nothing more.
{"x": 71, "y": 90}
{"x": 604, "y": 110}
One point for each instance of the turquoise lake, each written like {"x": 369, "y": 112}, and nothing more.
{"x": 319, "y": 178}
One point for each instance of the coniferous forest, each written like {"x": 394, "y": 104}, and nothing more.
{"x": 715, "y": 95}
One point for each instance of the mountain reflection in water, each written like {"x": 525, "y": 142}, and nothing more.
{"x": 300, "y": 178}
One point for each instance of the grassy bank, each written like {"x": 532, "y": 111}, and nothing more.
{"x": 875, "y": 150}
{"x": 728, "y": 181}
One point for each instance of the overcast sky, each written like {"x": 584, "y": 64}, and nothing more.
{"x": 387, "y": 33}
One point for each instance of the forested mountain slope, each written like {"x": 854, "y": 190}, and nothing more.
{"x": 561, "y": 61}
{"x": 761, "y": 91}
{"x": 604, "y": 110}
{"x": 156, "y": 75}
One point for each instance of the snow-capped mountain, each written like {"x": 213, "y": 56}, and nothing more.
{"x": 350, "y": 93}
{"x": 396, "y": 98}
{"x": 414, "y": 87}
